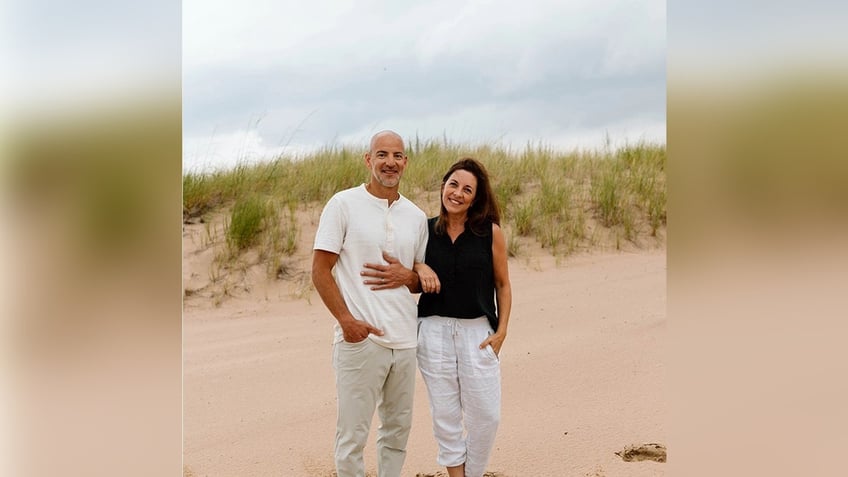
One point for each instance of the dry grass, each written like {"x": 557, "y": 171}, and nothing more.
{"x": 565, "y": 202}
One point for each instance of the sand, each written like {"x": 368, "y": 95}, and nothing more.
{"x": 582, "y": 368}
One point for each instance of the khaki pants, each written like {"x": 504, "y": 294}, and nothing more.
{"x": 367, "y": 376}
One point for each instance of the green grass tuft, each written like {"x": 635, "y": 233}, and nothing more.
{"x": 246, "y": 222}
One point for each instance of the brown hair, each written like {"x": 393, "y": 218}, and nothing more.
{"x": 484, "y": 210}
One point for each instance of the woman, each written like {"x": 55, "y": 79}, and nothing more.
{"x": 460, "y": 331}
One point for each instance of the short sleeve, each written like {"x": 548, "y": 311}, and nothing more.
{"x": 331, "y": 227}
{"x": 423, "y": 235}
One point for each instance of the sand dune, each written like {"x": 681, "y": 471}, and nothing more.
{"x": 583, "y": 374}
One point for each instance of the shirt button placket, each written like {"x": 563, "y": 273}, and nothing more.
{"x": 390, "y": 234}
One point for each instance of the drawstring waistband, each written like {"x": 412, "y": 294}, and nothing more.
{"x": 456, "y": 323}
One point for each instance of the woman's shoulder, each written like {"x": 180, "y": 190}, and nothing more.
{"x": 484, "y": 229}
{"x": 497, "y": 232}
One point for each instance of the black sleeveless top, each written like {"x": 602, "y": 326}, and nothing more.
{"x": 466, "y": 272}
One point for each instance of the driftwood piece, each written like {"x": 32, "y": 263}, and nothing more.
{"x": 652, "y": 451}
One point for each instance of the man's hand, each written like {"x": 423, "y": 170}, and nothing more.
{"x": 393, "y": 275}
{"x": 357, "y": 330}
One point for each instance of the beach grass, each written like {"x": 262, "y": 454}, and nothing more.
{"x": 564, "y": 201}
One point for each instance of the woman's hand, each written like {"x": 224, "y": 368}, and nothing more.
{"x": 427, "y": 277}
{"x": 496, "y": 340}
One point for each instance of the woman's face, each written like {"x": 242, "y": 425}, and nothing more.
{"x": 459, "y": 192}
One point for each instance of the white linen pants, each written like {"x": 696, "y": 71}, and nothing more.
{"x": 464, "y": 386}
{"x": 367, "y": 376}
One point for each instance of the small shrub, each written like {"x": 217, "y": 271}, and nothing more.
{"x": 246, "y": 221}
{"x": 522, "y": 217}
{"x": 199, "y": 195}
{"x": 657, "y": 210}
{"x": 507, "y": 188}
{"x": 608, "y": 196}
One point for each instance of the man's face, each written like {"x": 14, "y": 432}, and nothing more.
{"x": 386, "y": 160}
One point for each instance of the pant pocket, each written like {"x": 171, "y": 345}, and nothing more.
{"x": 430, "y": 347}
{"x": 358, "y": 343}
{"x": 489, "y": 347}
{"x": 491, "y": 352}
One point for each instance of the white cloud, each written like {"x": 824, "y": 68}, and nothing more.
{"x": 262, "y": 32}
{"x": 479, "y": 70}
{"x": 514, "y": 127}
{"x": 512, "y": 33}
{"x": 206, "y": 154}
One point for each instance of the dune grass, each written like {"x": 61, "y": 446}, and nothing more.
{"x": 247, "y": 220}
{"x": 563, "y": 201}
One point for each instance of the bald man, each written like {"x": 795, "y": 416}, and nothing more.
{"x": 376, "y": 315}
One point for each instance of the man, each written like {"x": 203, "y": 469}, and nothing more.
{"x": 376, "y": 328}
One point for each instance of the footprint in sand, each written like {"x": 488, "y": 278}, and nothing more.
{"x": 652, "y": 451}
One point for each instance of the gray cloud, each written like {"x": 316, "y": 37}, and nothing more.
{"x": 464, "y": 75}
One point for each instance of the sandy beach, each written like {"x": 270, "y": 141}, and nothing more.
{"x": 582, "y": 367}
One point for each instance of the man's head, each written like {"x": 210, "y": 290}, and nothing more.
{"x": 386, "y": 159}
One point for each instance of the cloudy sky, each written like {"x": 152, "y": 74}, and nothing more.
{"x": 268, "y": 76}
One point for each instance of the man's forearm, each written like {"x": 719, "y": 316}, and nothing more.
{"x": 413, "y": 283}
{"x": 331, "y": 295}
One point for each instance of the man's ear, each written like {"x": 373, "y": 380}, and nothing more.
{"x": 367, "y": 157}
